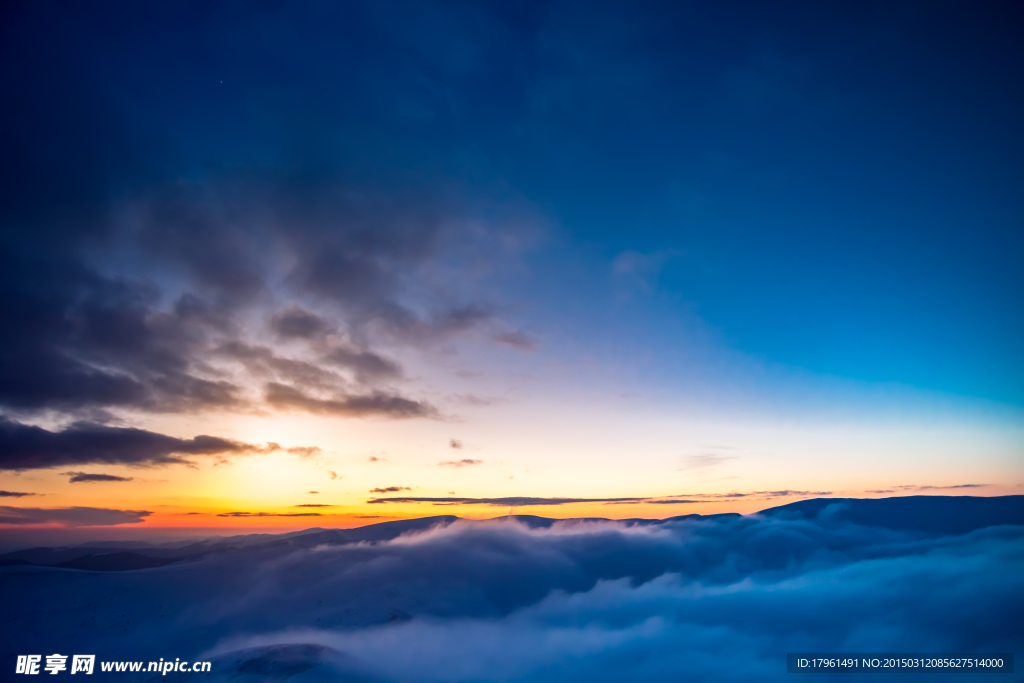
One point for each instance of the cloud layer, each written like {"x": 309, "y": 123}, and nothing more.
{"x": 536, "y": 600}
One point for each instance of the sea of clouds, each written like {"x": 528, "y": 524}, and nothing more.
{"x": 690, "y": 600}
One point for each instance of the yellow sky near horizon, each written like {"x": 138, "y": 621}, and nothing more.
{"x": 593, "y": 449}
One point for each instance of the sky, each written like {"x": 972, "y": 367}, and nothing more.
{"x": 278, "y": 265}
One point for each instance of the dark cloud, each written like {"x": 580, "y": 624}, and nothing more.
{"x": 100, "y": 345}
{"x": 269, "y": 514}
{"x": 460, "y": 319}
{"x": 390, "y": 489}
{"x": 715, "y": 495}
{"x": 131, "y": 252}
{"x": 368, "y": 366}
{"x": 85, "y": 477}
{"x": 355, "y": 258}
{"x": 455, "y": 443}
{"x": 25, "y": 447}
{"x": 787, "y": 493}
{"x": 518, "y": 501}
{"x": 520, "y": 341}
{"x": 312, "y": 492}
{"x": 15, "y": 494}
{"x": 672, "y": 502}
{"x": 374, "y": 458}
{"x": 956, "y": 486}
{"x": 294, "y": 321}
{"x": 263, "y": 363}
{"x": 282, "y": 374}
{"x": 513, "y": 501}
{"x": 465, "y": 462}
{"x": 77, "y": 340}
{"x": 73, "y": 516}
{"x": 334, "y": 475}
{"x": 770, "y": 494}
{"x": 314, "y": 505}
{"x": 376, "y": 404}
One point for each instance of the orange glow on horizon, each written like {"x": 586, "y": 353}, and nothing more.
{"x": 237, "y": 520}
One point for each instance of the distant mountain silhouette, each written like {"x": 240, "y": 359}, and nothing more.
{"x": 116, "y": 562}
{"x": 931, "y": 514}
{"x": 926, "y": 514}
{"x": 282, "y": 662}
{"x": 102, "y": 562}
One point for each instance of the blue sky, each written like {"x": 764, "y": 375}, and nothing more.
{"x": 834, "y": 189}
{"x": 720, "y": 213}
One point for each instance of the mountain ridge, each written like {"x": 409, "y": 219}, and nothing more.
{"x": 944, "y": 515}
